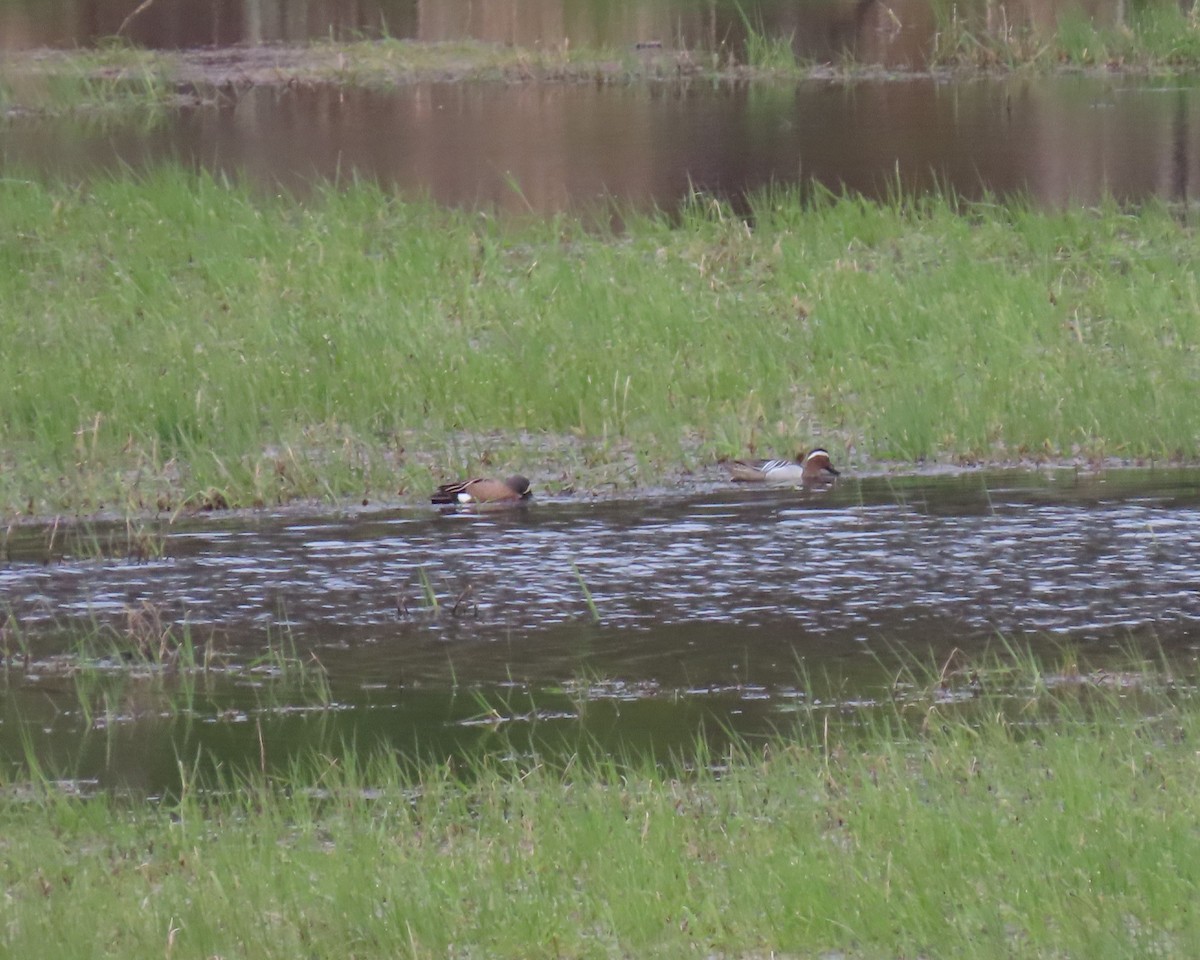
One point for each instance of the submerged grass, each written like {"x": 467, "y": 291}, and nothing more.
{"x": 1066, "y": 828}
{"x": 175, "y": 341}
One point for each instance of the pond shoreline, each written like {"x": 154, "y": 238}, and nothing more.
{"x": 680, "y": 485}
{"x": 852, "y": 823}
{"x": 205, "y": 75}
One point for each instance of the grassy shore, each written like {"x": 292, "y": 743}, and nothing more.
{"x": 1157, "y": 36}
{"x": 176, "y": 340}
{"x": 1061, "y": 822}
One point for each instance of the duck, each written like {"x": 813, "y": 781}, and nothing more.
{"x": 483, "y": 490}
{"x": 811, "y": 468}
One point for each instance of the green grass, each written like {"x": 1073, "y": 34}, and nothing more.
{"x": 175, "y": 342}
{"x": 1061, "y": 824}
{"x": 1153, "y": 34}
{"x": 118, "y": 75}
{"x": 1158, "y": 35}
{"x": 766, "y": 51}
{"x": 114, "y": 78}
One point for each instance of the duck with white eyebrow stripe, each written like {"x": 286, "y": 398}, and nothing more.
{"x": 812, "y": 468}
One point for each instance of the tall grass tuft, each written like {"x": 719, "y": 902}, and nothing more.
{"x": 587, "y": 594}
{"x": 775, "y": 54}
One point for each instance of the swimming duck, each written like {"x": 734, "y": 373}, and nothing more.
{"x": 811, "y": 468}
{"x": 482, "y": 490}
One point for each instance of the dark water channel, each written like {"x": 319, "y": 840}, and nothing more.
{"x": 718, "y": 609}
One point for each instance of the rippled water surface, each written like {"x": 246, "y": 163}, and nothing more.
{"x": 720, "y": 605}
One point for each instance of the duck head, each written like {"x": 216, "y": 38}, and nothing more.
{"x": 818, "y": 465}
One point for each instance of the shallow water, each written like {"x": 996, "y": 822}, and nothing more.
{"x": 559, "y": 146}
{"x": 551, "y": 147}
{"x": 719, "y": 609}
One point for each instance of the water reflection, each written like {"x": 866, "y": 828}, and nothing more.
{"x": 551, "y": 147}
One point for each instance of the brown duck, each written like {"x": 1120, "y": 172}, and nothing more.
{"x": 483, "y": 490}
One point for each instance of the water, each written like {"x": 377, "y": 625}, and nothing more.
{"x": 719, "y": 609}
{"x": 555, "y": 147}
{"x": 571, "y": 146}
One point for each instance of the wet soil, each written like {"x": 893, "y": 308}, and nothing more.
{"x": 614, "y": 482}
{"x": 204, "y": 73}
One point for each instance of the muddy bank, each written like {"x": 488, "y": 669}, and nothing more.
{"x": 381, "y": 63}
{"x": 602, "y": 485}
{"x": 389, "y": 63}
{"x": 126, "y": 78}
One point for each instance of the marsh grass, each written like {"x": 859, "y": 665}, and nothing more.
{"x": 119, "y": 76}
{"x": 934, "y": 829}
{"x": 766, "y": 51}
{"x": 110, "y": 78}
{"x": 175, "y": 342}
{"x": 428, "y": 594}
{"x": 141, "y": 672}
{"x": 149, "y": 643}
{"x": 134, "y": 540}
{"x": 14, "y": 642}
{"x": 593, "y": 611}
{"x": 293, "y": 676}
{"x": 145, "y": 642}
{"x": 1157, "y": 35}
